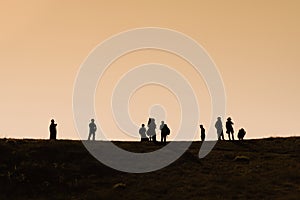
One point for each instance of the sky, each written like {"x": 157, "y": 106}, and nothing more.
{"x": 254, "y": 44}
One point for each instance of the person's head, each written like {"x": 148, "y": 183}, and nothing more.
{"x": 143, "y": 125}
{"x": 92, "y": 120}
{"x": 201, "y": 126}
{"x": 52, "y": 121}
{"x": 229, "y": 119}
{"x": 162, "y": 122}
{"x": 219, "y": 118}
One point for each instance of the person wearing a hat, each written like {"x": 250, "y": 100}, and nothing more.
{"x": 229, "y": 128}
{"x": 93, "y": 129}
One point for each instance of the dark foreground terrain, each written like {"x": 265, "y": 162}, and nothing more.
{"x": 39, "y": 169}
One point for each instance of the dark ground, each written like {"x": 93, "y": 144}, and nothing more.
{"x": 39, "y": 169}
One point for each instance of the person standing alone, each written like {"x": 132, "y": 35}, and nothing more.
{"x": 93, "y": 129}
{"x": 202, "y": 132}
{"x": 52, "y": 129}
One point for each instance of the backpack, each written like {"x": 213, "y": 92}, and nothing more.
{"x": 166, "y": 130}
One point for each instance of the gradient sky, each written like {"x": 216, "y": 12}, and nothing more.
{"x": 255, "y": 45}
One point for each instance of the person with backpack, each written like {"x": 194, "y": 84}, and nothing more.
{"x": 165, "y": 131}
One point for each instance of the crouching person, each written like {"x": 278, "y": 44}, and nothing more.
{"x": 241, "y": 134}
{"x": 142, "y": 133}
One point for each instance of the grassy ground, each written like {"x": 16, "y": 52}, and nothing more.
{"x": 39, "y": 169}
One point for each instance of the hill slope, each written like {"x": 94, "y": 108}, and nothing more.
{"x": 39, "y": 169}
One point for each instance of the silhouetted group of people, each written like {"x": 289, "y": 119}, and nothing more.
{"x": 229, "y": 130}
{"x": 150, "y": 133}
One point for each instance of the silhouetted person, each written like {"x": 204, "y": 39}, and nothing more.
{"x": 151, "y": 129}
{"x": 202, "y": 132}
{"x": 164, "y": 131}
{"x": 93, "y": 129}
{"x": 142, "y": 133}
{"x": 52, "y": 129}
{"x": 229, "y": 128}
{"x": 160, "y": 128}
{"x": 241, "y": 134}
{"x": 219, "y": 127}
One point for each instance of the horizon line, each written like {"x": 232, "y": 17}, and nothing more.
{"x": 138, "y": 141}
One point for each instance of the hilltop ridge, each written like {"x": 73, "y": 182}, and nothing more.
{"x": 63, "y": 169}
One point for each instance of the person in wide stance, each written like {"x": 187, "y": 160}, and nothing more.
{"x": 229, "y": 128}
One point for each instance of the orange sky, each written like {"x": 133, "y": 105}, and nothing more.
{"x": 255, "y": 45}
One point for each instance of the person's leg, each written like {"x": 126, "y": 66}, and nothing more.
{"x": 94, "y": 134}
{"x": 232, "y": 135}
{"x": 222, "y": 135}
{"x": 89, "y": 136}
{"x": 162, "y": 138}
